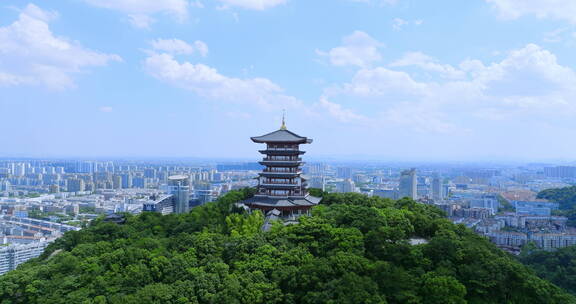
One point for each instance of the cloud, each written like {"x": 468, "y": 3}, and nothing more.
{"x": 552, "y": 9}
{"x": 208, "y": 83}
{"x": 258, "y": 5}
{"x": 31, "y": 54}
{"x": 381, "y": 82}
{"x": 338, "y": 112}
{"x": 140, "y": 12}
{"x": 179, "y": 47}
{"x": 105, "y": 109}
{"x": 381, "y": 2}
{"x": 141, "y": 21}
{"x": 399, "y": 23}
{"x": 358, "y": 49}
{"x": 528, "y": 85}
{"x": 427, "y": 63}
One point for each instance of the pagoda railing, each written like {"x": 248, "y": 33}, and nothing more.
{"x": 279, "y": 183}
{"x": 286, "y": 170}
{"x": 282, "y": 149}
{"x": 282, "y": 160}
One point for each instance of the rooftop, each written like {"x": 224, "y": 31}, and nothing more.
{"x": 281, "y": 136}
{"x": 283, "y": 202}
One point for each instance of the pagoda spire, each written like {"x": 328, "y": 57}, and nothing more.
{"x": 283, "y": 126}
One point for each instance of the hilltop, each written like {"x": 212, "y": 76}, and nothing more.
{"x": 353, "y": 249}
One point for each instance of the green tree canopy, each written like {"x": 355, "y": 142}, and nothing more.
{"x": 353, "y": 249}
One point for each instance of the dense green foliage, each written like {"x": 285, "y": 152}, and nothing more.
{"x": 354, "y": 249}
{"x": 557, "y": 266}
{"x": 505, "y": 205}
{"x": 566, "y": 198}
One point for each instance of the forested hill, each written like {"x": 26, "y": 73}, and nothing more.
{"x": 566, "y": 196}
{"x": 354, "y": 249}
{"x": 566, "y": 199}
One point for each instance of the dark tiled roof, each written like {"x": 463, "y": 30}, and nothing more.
{"x": 309, "y": 200}
{"x": 281, "y": 136}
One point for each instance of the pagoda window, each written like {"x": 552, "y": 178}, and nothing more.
{"x": 282, "y": 147}
{"x": 281, "y": 169}
{"x": 279, "y": 192}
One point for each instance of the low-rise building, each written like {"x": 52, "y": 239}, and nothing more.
{"x": 15, "y": 254}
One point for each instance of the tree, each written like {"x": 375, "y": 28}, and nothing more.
{"x": 438, "y": 289}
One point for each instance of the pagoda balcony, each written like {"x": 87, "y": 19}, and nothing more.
{"x": 274, "y": 183}
{"x": 282, "y": 160}
{"x": 282, "y": 149}
{"x": 264, "y": 192}
{"x": 279, "y": 186}
{"x": 279, "y": 174}
{"x": 281, "y": 163}
{"x": 286, "y": 170}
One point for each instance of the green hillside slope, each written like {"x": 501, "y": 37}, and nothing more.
{"x": 354, "y": 249}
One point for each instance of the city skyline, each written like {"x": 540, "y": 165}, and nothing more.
{"x": 394, "y": 80}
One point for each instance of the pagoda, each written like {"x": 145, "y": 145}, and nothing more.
{"x": 281, "y": 189}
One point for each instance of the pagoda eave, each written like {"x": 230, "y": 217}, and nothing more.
{"x": 302, "y": 141}
{"x": 282, "y": 152}
{"x": 272, "y": 163}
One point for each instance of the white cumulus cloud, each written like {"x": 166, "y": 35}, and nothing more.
{"x": 528, "y": 85}
{"x": 140, "y": 12}
{"x": 381, "y": 2}
{"x": 399, "y": 23}
{"x": 180, "y": 47}
{"x": 553, "y": 9}
{"x": 338, "y": 112}
{"x": 357, "y": 49}
{"x": 30, "y": 54}
{"x": 427, "y": 63}
{"x": 208, "y": 83}
{"x": 252, "y": 4}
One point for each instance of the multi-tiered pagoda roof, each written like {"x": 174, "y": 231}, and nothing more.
{"x": 280, "y": 184}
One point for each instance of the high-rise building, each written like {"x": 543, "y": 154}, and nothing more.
{"x": 316, "y": 169}
{"x": 179, "y": 187}
{"x": 127, "y": 181}
{"x": 139, "y": 182}
{"x": 150, "y": 173}
{"x": 344, "y": 172}
{"x": 117, "y": 182}
{"x": 5, "y": 185}
{"x": 76, "y": 185}
{"x": 318, "y": 182}
{"x": 19, "y": 170}
{"x": 408, "y": 184}
{"x": 437, "y": 189}
{"x": 85, "y": 167}
{"x": 560, "y": 172}
{"x": 345, "y": 186}
{"x": 281, "y": 188}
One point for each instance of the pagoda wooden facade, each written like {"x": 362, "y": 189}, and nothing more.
{"x": 281, "y": 185}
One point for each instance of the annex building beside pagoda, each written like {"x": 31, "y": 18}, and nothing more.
{"x": 281, "y": 190}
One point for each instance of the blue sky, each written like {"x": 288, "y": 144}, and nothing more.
{"x": 379, "y": 79}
